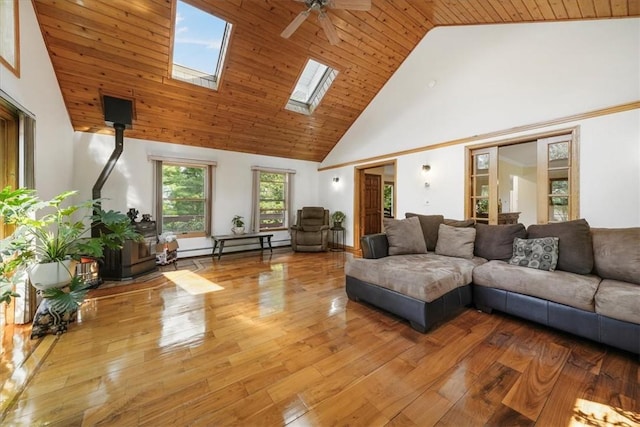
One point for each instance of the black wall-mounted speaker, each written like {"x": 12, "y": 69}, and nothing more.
{"x": 117, "y": 110}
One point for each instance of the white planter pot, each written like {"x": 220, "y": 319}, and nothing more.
{"x": 238, "y": 230}
{"x": 52, "y": 274}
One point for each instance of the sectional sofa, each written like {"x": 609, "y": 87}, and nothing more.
{"x": 569, "y": 276}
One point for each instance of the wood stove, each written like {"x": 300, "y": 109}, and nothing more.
{"x": 134, "y": 258}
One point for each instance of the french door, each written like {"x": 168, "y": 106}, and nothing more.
{"x": 556, "y": 179}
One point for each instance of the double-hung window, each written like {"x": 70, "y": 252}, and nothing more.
{"x": 183, "y": 197}
{"x": 272, "y": 198}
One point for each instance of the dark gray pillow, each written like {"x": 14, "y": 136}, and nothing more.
{"x": 541, "y": 253}
{"x": 455, "y": 241}
{"x": 429, "y": 225}
{"x": 404, "y": 236}
{"x": 575, "y": 248}
{"x": 459, "y": 222}
{"x": 496, "y": 241}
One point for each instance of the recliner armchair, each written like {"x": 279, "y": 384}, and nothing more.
{"x": 311, "y": 231}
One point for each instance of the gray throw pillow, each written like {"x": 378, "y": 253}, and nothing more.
{"x": 496, "y": 241}
{"x": 455, "y": 241}
{"x": 541, "y": 253}
{"x": 404, "y": 236}
{"x": 575, "y": 247}
{"x": 429, "y": 225}
{"x": 459, "y": 222}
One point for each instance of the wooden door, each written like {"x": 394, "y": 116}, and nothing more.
{"x": 372, "y": 204}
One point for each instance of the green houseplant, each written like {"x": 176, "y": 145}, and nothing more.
{"x": 50, "y": 235}
{"x": 238, "y": 224}
{"x": 338, "y": 217}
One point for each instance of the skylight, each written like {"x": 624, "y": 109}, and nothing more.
{"x": 199, "y": 45}
{"x": 313, "y": 83}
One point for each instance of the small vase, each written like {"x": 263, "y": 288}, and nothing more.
{"x": 237, "y": 230}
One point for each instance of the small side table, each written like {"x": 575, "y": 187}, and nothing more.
{"x": 337, "y": 239}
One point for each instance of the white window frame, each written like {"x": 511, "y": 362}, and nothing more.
{"x": 255, "y": 208}
{"x": 318, "y": 92}
{"x": 197, "y": 77}
{"x": 209, "y": 166}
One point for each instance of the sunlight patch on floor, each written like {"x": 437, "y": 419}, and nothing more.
{"x": 192, "y": 282}
{"x": 587, "y": 412}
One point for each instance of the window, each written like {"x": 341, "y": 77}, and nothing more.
{"x": 183, "y": 197}
{"x": 388, "y": 199}
{"x": 9, "y": 36}
{"x": 200, "y": 42}
{"x": 272, "y": 200}
{"x": 313, "y": 83}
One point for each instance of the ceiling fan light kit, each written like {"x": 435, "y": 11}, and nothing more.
{"x": 321, "y": 7}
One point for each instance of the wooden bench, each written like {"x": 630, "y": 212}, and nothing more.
{"x": 218, "y": 241}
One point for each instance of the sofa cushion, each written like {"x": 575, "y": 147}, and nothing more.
{"x": 616, "y": 253}
{"x": 429, "y": 225}
{"x": 455, "y": 241}
{"x": 496, "y": 241}
{"x": 566, "y": 288}
{"x": 535, "y": 253}
{"x": 420, "y": 276}
{"x": 404, "y": 236}
{"x": 619, "y": 300}
{"x": 575, "y": 249}
{"x": 459, "y": 222}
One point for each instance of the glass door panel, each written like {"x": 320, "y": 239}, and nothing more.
{"x": 557, "y": 199}
{"x": 483, "y": 191}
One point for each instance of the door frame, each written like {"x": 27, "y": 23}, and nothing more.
{"x": 358, "y": 197}
{"x": 574, "y": 137}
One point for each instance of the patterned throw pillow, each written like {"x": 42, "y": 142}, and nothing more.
{"x": 541, "y": 253}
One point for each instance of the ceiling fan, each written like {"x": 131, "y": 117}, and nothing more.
{"x": 321, "y": 7}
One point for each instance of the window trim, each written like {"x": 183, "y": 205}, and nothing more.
{"x": 210, "y": 167}
{"x": 14, "y": 68}
{"x": 224, "y": 46}
{"x": 255, "y": 205}
{"x": 318, "y": 92}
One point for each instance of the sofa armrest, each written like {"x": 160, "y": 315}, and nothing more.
{"x": 374, "y": 246}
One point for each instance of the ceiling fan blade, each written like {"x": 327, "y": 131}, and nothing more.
{"x": 293, "y": 26}
{"x": 329, "y": 28}
{"x": 351, "y": 4}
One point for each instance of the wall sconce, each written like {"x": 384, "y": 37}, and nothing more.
{"x": 336, "y": 179}
{"x": 425, "y": 169}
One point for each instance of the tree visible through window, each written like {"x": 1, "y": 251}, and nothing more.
{"x": 273, "y": 200}
{"x": 184, "y": 198}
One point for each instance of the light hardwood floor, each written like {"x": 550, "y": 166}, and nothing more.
{"x": 259, "y": 339}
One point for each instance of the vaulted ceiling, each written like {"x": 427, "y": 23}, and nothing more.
{"x": 122, "y": 48}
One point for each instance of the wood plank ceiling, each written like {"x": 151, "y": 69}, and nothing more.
{"x": 123, "y": 48}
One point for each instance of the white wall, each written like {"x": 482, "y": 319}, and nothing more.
{"x": 496, "y": 77}
{"x": 130, "y": 185}
{"x": 38, "y": 92}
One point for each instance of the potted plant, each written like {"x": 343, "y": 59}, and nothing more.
{"x": 338, "y": 217}
{"x": 238, "y": 224}
{"x": 50, "y": 236}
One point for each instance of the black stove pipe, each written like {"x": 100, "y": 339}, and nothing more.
{"x": 106, "y": 171}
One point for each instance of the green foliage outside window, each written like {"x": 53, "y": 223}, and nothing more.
{"x": 273, "y": 203}
{"x": 183, "y": 198}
